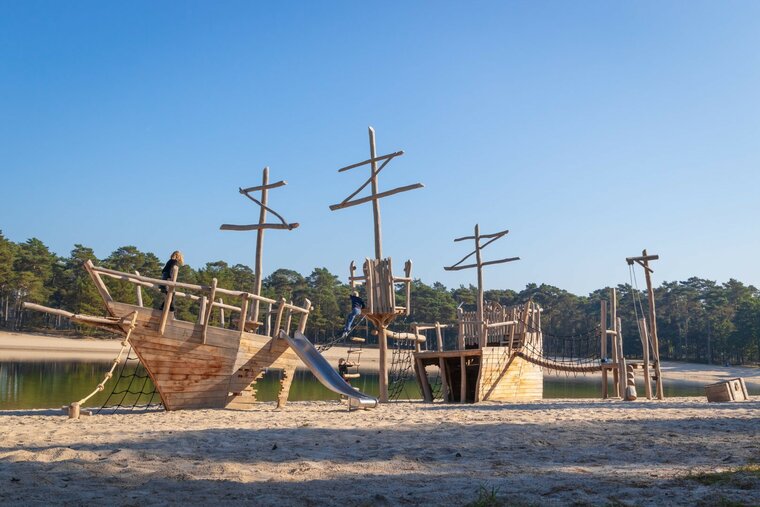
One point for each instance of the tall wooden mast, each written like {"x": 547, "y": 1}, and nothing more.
{"x": 381, "y": 320}
{"x": 653, "y": 339}
{"x": 482, "y": 335}
{"x": 260, "y": 228}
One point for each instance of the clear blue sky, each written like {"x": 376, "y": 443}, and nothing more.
{"x": 591, "y": 130}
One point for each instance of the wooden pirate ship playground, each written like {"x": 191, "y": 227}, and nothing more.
{"x": 500, "y": 352}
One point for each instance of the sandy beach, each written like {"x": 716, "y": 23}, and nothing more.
{"x": 682, "y": 451}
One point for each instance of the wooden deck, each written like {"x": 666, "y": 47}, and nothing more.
{"x": 488, "y": 374}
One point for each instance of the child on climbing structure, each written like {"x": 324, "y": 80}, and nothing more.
{"x": 356, "y": 308}
{"x": 176, "y": 259}
{"x": 343, "y": 367}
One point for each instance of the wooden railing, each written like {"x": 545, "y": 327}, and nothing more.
{"x": 285, "y": 313}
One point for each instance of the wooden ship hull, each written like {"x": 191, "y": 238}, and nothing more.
{"x": 219, "y": 373}
{"x": 196, "y": 364}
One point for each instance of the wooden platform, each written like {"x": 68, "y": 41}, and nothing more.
{"x": 488, "y": 374}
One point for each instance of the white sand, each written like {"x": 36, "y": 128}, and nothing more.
{"x": 317, "y": 453}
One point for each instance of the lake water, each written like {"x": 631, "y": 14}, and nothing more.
{"x": 52, "y": 384}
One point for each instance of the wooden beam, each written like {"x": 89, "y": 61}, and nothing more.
{"x": 102, "y": 289}
{"x": 643, "y": 258}
{"x": 487, "y": 263}
{"x": 495, "y": 236}
{"x": 375, "y": 197}
{"x": 266, "y": 186}
{"x": 371, "y": 160}
{"x": 258, "y": 227}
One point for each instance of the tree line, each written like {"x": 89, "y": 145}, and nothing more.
{"x": 698, "y": 320}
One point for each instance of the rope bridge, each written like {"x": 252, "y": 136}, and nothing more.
{"x": 577, "y": 353}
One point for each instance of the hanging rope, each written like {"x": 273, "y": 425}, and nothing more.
{"x": 336, "y": 339}
{"x": 100, "y": 387}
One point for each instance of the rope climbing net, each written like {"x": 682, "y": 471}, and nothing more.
{"x": 402, "y": 370}
{"x": 133, "y": 389}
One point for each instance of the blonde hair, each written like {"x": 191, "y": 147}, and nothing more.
{"x": 177, "y": 256}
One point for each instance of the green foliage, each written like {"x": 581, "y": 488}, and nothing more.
{"x": 698, "y": 320}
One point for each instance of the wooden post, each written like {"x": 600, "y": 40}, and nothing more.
{"x": 243, "y": 314}
{"x": 202, "y": 311}
{"x": 260, "y": 243}
{"x": 460, "y": 336}
{"x": 621, "y": 360}
{"x": 427, "y": 393}
{"x": 168, "y": 301}
{"x": 383, "y": 345}
{"x": 375, "y": 202}
{"x": 304, "y": 317}
{"x": 481, "y": 330}
{"x": 653, "y": 327}
{"x": 209, "y": 308}
{"x": 463, "y": 380}
{"x": 139, "y": 291}
{"x": 278, "y": 320}
{"x": 221, "y": 313}
{"x": 613, "y": 318}
{"x": 438, "y": 336}
{"x": 644, "y": 334}
{"x": 603, "y": 326}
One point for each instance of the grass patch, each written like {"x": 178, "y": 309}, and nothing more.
{"x": 487, "y": 498}
{"x": 744, "y": 477}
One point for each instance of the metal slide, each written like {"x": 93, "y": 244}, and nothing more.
{"x": 325, "y": 373}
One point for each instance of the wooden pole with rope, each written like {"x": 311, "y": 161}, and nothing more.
{"x": 654, "y": 342}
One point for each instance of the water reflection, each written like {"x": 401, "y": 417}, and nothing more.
{"x": 50, "y": 384}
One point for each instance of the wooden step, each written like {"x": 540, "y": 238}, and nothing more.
{"x": 357, "y": 339}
